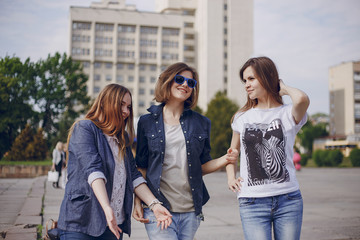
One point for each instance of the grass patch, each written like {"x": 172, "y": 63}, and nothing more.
{"x": 47, "y": 162}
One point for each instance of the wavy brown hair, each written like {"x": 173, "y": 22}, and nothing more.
{"x": 106, "y": 114}
{"x": 166, "y": 78}
{"x": 266, "y": 72}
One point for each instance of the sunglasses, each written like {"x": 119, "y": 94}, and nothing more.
{"x": 180, "y": 80}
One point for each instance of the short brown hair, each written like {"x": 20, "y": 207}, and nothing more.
{"x": 166, "y": 78}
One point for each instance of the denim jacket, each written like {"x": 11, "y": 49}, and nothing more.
{"x": 90, "y": 152}
{"x": 151, "y": 148}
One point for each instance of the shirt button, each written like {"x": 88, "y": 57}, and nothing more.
{"x": 159, "y": 190}
{"x": 199, "y": 136}
{"x": 159, "y": 130}
{"x": 184, "y": 131}
{"x": 182, "y": 122}
{"x": 152, "y": 135}
{"x": 162, "y": 152}
{"x": 192, "y": 189}
{"x": 187, "y": 141}
{"x": 161, "y": 140}
{"x": 188, "y": 153}
{"x": 157, "y": 122}
{"x": 190, "y": 177}
{"x": 190, "y": 165}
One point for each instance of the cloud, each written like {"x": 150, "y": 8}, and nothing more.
{"x": 305, "y": 39}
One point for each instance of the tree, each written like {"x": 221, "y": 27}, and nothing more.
{"x": 355, "y": 157}
{"x": 17, "y": 86}
{"x": 61, "y": 88}
{"x": 37, "y": 148}
{"x": 220, "y": 111}
{"x": 309, "y": 133}
{"x": 17, "y": 151}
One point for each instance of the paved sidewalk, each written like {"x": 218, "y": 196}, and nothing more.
{"x": 331, "y": 206}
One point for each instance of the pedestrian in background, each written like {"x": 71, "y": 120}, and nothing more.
{"x": 102, "y": 175}
{"x": 57, "y": 161}
{"x": 265, "y": 129}
{"x": 64, "y": 168}
{"x": 173, "y": 152}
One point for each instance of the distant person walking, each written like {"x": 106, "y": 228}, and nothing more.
{"x": 264, "y": 131}
{"x": 57, "y": 161}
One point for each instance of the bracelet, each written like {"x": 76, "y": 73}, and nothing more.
{"x": 153, "y": 203}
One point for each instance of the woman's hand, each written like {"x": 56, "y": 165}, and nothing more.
{"x": 282, "y": 91}
{"x": 138, "y": 212}
{"x": 111, "y": 221}
{"x": 232, "y": 156}
{"x": 162, "y": 215}
{"x": 235, "y": 185}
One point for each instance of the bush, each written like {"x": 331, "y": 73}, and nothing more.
{"x": 355, "y": 157}
{"x": 327, "y": 158}
{"x": 28, "y": 146}
{"x": 304, "y": 159}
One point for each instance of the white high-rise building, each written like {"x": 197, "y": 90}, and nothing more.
{"x": 118, "y": 44}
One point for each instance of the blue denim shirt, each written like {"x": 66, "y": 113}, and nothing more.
{"x": 151, "y": 148}
{"x": 90, "y": 152}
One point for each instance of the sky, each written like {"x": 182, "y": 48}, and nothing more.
{"x": 303, "y": 38}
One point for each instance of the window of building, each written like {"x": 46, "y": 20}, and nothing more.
{"x": 225, "y": 6}
{"x": 225, "y": 31}
{"x": 126, "y": 28}
{"x": 97, "y": 77}
{"x": 225, "y": 18}
{"x": 152, "y": 92}
{"x": 119, "y": 78}
{"x": 97, "y": 64}
{"x": 130, "y": 78}
{"x": 131, "y": 66}
{"x": 148, "y": 30}
{"x": 225, "y": 42}
{"x": 152, "y": 79}
{"x": 357, "y": 76}
{"x": 189, "y": 36}
{"x": 188, "y": 48}
{"x": 96, "y": 89}
{"x": 141, "y": 103}
{"x": 108, "y": 65}
{"x": 188, "y": 12}
{"x": 153, "y": 68}
{"x": 188, "y": 24}
{"x": 120, "y": 66}
{"x": 141, "y": 79}
{"x": 108, "y": 77}
{"x": 104, "y": 27}
{"x": 141, "y": 91}
{"x": 170, "y": 31}
{"x": 142, "y": 67}
{"x": 81, "y": 26}
{"x": 86, "y": 64}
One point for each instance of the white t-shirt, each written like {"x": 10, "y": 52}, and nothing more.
{"x": 267, "y": 138}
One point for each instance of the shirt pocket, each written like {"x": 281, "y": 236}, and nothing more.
{"x": 198, "y": 142}
{"x": 153, "y": 141}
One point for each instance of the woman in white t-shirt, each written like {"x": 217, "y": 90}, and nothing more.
{"x": 264, "y": 131}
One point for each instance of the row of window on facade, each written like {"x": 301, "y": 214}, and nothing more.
{"x": 127, "y": 28}
{"x": 121, "y": 78}
{"x": 141, "y": 92}
{"x": 120, "y": 66}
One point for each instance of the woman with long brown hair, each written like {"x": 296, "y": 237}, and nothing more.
{"x": 102, "y": 175}
{"x": 264, "y": 131}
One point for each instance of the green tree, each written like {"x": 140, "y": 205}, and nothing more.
{"x": 37, "y": 148}
{"x": 309, "y": 133}
{"x": 17, "y": 151}
{"x": 220, "y": 111}
{"x": 17, "y": 86}
{"x": 355, "y": 157}
{"x": 62, "y": 91}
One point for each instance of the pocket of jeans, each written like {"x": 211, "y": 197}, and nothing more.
{"x": 243, "y": 202}
{"x": 294, "y": 195}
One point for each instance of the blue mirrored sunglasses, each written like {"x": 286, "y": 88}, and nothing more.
{"x": 180, "y": 80}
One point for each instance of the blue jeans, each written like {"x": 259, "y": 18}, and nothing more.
{"x": 107, "y": 235}
{"x": 283, "y": 213}
{"x": 183, "y": 226}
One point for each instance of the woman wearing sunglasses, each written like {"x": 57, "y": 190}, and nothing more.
{"x": 173, "y": 152}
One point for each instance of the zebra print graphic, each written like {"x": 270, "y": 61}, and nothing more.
{"x": 264, "y": 146}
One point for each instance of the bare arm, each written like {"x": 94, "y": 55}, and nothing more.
{"x": 98, "y": 186}
{"x": 299, "y": 99}
{"x": 216, "y": 164}
{"x": 233, "y": 182}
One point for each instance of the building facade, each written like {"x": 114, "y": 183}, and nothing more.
{"x": 344, "y": 87}
{"x": 118, "y": 44}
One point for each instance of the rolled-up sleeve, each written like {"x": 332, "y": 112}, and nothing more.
{"x": 138, "y": 181}
{"x": 96, "y": 175}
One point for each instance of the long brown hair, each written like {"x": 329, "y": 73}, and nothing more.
{"x": 266, "y": 72}
{"x": 166, "y": 78}
{"x": 106, "y": 114}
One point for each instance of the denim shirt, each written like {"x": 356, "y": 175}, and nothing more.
{"x": 89, "y": 152}
{"x": 151, "y": 148}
